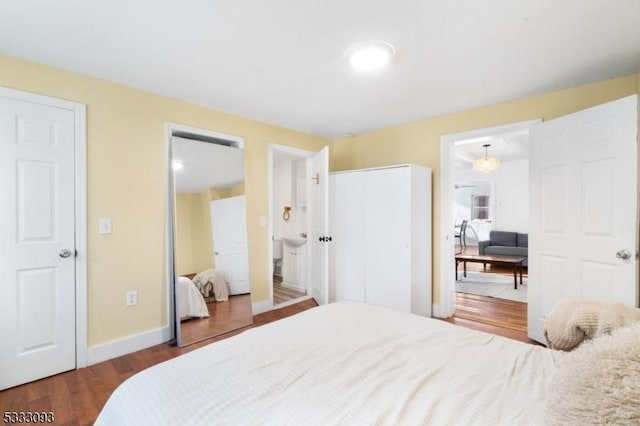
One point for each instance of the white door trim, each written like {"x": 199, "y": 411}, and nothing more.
{"x": 289, "y": 150}
{"x": 80, "y": 194}
{"x": 446, "y": 307}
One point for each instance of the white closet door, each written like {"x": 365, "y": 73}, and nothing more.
{"x": 387, "y": 237}
{"x": 346, "y": 251}
{"x": 37, "y": 225}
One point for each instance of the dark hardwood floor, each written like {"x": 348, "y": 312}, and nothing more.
{"x": 76, "y": 397}
{"x": 224, "y": 316}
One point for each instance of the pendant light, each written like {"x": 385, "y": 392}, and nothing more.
{"x": 486, "y": 164}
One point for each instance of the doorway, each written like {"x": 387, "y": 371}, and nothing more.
{"x": 289, "y": 225}
{"x": 485, "y": 201}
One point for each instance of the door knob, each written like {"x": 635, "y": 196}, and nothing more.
{"x": 64, "y": 253}
{"x": 623, "y": 254}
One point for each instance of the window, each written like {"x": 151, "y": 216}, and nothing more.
{"x": 479, "y": 207}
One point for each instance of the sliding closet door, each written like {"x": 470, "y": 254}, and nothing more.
{"x": 387, "y": 237}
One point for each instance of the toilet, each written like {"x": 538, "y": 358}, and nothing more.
{"x": 277, "y": 256}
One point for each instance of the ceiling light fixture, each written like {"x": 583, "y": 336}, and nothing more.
{"x": 369, "y": 55}
{"x": 486, "y": 164}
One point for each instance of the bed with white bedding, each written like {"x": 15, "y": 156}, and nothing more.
{"x": 191, "y": 304}
{"x": 343, "y": 363}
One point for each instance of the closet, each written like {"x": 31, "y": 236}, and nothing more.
{"x": 380, "y": 225}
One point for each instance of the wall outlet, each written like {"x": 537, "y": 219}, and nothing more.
{"x": 132, "y": 298}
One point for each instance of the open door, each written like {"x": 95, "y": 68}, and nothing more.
{"x": 583, "y": 209}
{"x": 319, "y": 209}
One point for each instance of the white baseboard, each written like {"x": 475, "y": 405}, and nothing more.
{"x": 297, "y": 288}
{"x": 127, "y": 345}
{"x": 262, "y": 306}
{"x": 292, "y": 302}
{"x": 439, "y": 311}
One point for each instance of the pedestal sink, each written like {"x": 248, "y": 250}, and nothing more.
{"x": 294, "y": 241}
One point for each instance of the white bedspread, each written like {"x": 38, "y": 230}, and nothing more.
{"x": 343, "y": 363}
{"x": 190, "y": 301}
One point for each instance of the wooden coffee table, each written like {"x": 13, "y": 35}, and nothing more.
{"x": 512, "y": 261}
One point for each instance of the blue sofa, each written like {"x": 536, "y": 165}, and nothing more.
{"x": 505, "y": 243}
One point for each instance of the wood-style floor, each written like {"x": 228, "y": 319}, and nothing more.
{"x": 492, "y": 315}
{"x": 224, "y": 316}
{"x": 76, "y": 397}
{"x": 283, "y": 294}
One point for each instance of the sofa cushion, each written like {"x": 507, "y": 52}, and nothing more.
{"x": 503, "y": 238}
{"x": 523, "y": 240}
{"x": 506, "y": 251}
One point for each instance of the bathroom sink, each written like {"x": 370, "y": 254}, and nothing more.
{"x": 294, "y": 241}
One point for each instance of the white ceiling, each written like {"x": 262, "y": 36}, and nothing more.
{"x": 282, "y": 61}
{"x": 206, "y": 166}
{"x": 506, "y": 147}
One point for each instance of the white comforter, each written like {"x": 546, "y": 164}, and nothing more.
{"x": 343, "y": 363}
{"x": 190, "y": 300}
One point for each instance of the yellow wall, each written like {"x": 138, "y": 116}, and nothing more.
{"x": 126, "y": 182}
{"x": 193, "y": 233}
{"x": 197, "y": 223}
{"x": 419, "y": 142}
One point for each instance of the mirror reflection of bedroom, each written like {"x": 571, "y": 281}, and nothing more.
{"x": 211, "y": 252}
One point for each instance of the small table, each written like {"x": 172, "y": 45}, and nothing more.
{"x": 514, "y": 262}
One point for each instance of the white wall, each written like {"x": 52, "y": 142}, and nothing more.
{"x": 512, "y": 196}
{"x": 285, "y": 176}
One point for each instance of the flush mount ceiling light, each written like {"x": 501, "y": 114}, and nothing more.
{"x": 486, "y": 164}
{"x": 369, "y": 55}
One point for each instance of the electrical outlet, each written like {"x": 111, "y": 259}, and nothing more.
{"x": 132, "y": 298}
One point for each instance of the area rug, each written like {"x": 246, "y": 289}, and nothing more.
{"x": 492, "y": 285}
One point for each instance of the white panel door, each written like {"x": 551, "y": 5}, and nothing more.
{"x": 37, "y": 221}
{"x": 387, "y": 238}
{"x": 318, "y": 207}
{"x": 229, "y": 235}
{"x": 346, "y": 250}
{"x": 583, "y": 209}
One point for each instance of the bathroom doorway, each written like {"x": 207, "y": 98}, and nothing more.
{"x": 289, "y": 224}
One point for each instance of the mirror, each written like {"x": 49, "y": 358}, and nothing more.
{"x": 210, "y": 250}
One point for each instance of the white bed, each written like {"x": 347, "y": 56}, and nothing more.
{"x": 344, "y": 363}
{"x": 191, "y": 304}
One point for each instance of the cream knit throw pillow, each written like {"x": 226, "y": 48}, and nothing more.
{"x": 570, "y": 322}
{"x": 599, "y": 382}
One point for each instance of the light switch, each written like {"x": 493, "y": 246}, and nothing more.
{"x": 263, "y": 221}
{"x": 105, "y": 225}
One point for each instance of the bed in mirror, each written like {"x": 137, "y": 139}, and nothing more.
{"x": 210, "y": 250}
